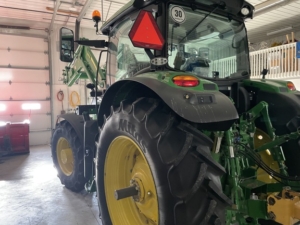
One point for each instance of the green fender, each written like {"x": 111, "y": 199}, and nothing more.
{"x": 212, "y": 109}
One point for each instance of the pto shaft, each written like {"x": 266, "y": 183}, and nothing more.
{"x": 126, "y": 192}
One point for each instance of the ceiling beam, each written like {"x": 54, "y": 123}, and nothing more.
{"x": 102, "y": 13}
{"x": 270, "y": 5}
{"x": 121, "y": 3}
{"x": 69, "y": 3}
{"x": 69, "y": 12}
{"x": 84, "y": 9}
{"x": 57, "y": 4}
{"x": 267, "y": 4}
{"x": 108, "y": 11}
{"x": 23, "y": 34}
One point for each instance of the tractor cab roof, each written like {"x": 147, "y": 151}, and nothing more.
{"x": 232, "y": 7}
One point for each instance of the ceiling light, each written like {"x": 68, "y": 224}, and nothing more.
{"x": 2, "y": 107}
{"x": 279, "y": 31}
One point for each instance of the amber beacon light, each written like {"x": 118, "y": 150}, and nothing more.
{"x": 96, "y": 16}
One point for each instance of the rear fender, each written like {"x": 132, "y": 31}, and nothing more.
{"x": 211, "y": 109}
{"x": 284, "y": 104}
{"x": 87, "y": 131}
{"x": 76, "y": 122}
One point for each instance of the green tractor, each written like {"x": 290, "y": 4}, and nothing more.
{"x": 181, "y": 135}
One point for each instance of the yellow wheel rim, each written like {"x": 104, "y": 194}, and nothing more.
{"x": 125, "y": 164}
{"x": 65, "y": 156}
{"x": 260, "y": 139}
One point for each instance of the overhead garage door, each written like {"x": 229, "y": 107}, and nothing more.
{"x": 24, "y": 85}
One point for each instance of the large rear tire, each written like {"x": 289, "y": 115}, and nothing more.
{"x": 145, "y": 143}
{"x": 67, "y": 156}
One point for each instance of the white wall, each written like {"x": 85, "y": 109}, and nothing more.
{"x": 58, "y": 66}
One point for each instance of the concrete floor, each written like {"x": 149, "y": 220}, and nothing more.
{"x": 31, "y": 193}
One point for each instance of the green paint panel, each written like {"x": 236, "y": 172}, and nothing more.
{"x": 274, "y": 187}
{"x": 249, "y": 172}
{"x": 295, "y": 185}
{"x": 252, "y": 184}
{"x": 167, "y": 76}
{"x": 84, "y": 66}
{"x": 275, "y": 86}
{"x": 257, "y": 208}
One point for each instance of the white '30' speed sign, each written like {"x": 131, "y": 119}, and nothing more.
{"x": 178, "y": 14}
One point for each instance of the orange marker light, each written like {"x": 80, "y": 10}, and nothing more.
{"x": 186, "y": 81}
{"x": 96, "y": 16}
{"x": 290, "y": 85}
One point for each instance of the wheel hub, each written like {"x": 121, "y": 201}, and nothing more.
{"x": 65, "y": 156}
{"x": 140, "y": 188}
{"x": 128, "y": 180}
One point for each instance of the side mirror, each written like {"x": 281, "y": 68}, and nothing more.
{"x": 66, "y": 43}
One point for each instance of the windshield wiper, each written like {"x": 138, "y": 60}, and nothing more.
{"x": 189, "y": 32}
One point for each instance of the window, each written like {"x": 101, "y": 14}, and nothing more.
{"x": 124, "y": 60}
{"x": 207, "y": 45}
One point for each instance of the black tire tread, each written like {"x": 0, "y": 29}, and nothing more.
{"x": 159, "y": 122}
{"x": 76, "y": 181}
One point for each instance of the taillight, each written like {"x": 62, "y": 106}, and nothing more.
{"x": 290, "y": 85}
{"x": 186, "y": 81}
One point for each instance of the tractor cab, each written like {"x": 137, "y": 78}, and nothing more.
{"x": 197, "y": 37}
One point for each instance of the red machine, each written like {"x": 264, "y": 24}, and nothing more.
{"x": 14, "y": 138}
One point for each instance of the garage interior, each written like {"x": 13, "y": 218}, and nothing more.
{"x": 34, "y": 93}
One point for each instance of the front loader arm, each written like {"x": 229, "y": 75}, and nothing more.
{"x": 83, "y": 66}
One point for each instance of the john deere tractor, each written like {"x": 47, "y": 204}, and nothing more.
{"x": 182, "y": 135}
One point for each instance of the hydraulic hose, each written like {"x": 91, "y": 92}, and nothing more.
{"x": 72, "y": 103}
{"x": 60, "y": 97}
{"x": 264, "y": 166}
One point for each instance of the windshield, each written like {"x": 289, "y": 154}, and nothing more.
{"x": 206, "y": 44}
{"x": 124, "y": 60}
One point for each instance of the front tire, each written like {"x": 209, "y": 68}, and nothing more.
{"x": 185, "y": 178}
{"x": 67, "y": 156}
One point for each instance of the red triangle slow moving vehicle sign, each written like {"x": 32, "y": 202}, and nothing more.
{"x": 145, "y": 32}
